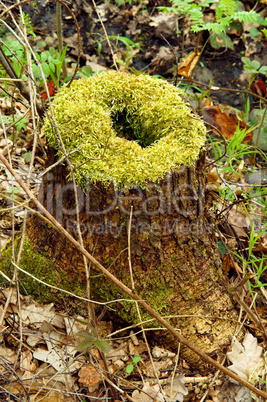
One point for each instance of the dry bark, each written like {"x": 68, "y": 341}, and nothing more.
{"x": 176, "y": 266}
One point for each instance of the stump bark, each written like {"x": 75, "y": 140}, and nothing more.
{"x": 176, "y": 266}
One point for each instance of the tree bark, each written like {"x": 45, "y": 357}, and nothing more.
{"x": 176, "y": 266}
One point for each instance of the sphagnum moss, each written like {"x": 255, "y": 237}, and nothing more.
{"x": 98, "y": 115}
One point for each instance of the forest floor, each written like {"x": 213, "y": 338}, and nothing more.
{"x": 38, "y": 348}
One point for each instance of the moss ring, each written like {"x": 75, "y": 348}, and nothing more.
{"x": 129, "y": 129}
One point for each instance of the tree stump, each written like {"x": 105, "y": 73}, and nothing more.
{"x": 176, "y": 266}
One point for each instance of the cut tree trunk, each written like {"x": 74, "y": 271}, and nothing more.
{"x": 176, "y": 266}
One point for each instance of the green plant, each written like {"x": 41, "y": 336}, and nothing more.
{"x": 227, "y": 12}
{"x": 51, "y": 61}
{"x": 85, "y": 71}
{"x": 27, "y": 156}
{"x": 15, "y": 120}
{"x": 257, "y": 264}
{"x": 15, "y": 51}
{"x": 254, "y": 68}
{"x": 132, "y": 48}
{"x": 12, "y": 192}
{"x": 235, "y": 148}
{"x": 25, "y": 19}
{"x": 130, "y": 367}
{"x": 91, "y": 340}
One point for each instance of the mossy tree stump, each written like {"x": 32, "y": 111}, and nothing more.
{"x": 176, "y": 265}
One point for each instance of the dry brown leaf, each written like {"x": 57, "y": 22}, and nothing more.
{"x": 27, "y": 365}
{"x": 188, "y": 65}
{"x": 150, "y": 392}
{"x": 90, "y": 378}
{"x": 229, "y": 262}
{"x": 212, "y": 177}
{"x": 37, "y": 314}
{"x": 246, "y": 359}
{"x": 52, "y": 396}
{"x": 238, "y": 221}
{"x": 225, "y": 123}
{"x": 165, "y": 24}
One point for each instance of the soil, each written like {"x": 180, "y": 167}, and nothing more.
{"x": 223, "y": 66}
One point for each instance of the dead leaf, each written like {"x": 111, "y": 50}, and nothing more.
{"x": 224, "y": 123}
{"x": 212, "y": 177}
{"x": 90, "y": 378}
{"x": 188, "y": 65}
{"x": 178, "y": 389}
{"x": 37, "y": 314}
{"x": 158, "y": 352}
{"x": 164, "y": 57}
{"x": 229, "y": 262}
{"x": 247, "y": 359}
{"x": 150, "y": 392}
{"x": 9, "y": 356}
{"x": 27, "y": 365}
{"x": 165, "y": 24}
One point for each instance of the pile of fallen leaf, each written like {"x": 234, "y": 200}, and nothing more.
{"x": 40, "y": 361}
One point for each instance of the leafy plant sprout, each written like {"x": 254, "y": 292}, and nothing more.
{"x": 226, "y": 13}
{"x": 130, "y": 367}
{"x": 253, "y": 264}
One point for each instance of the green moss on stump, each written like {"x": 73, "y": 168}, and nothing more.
{"x": 130, "y": 129}
{"x": 42, "y": 267}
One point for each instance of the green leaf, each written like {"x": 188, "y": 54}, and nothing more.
{"x": 85, "y": 345}
{"x": 87, "y": 71}
{"x": 52, "y": 67}
{"x": 102, "y": 346}
{"x": 254, "y": 32}
{"x": 43, "y": 57}
{"x": 221, "y": 248}
{"x": 129, "y": 368}
{"x": 221, "y": 40}
{"x": 263, "y": 70}
{"x": 85, "y": 334}
{"x": 246, "y": 60}
{"x": 22, "y": 123}
{"x": 136, "y": 359}
{"x": 46, "y": 69}
{"x": 255, "y": 64}
{"x": 27, "y": 156}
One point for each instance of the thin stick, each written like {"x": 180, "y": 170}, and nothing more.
{"x": 106, "y": 35}
{"x": 59, "y": 37}
{"x": 125, "y": 289}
